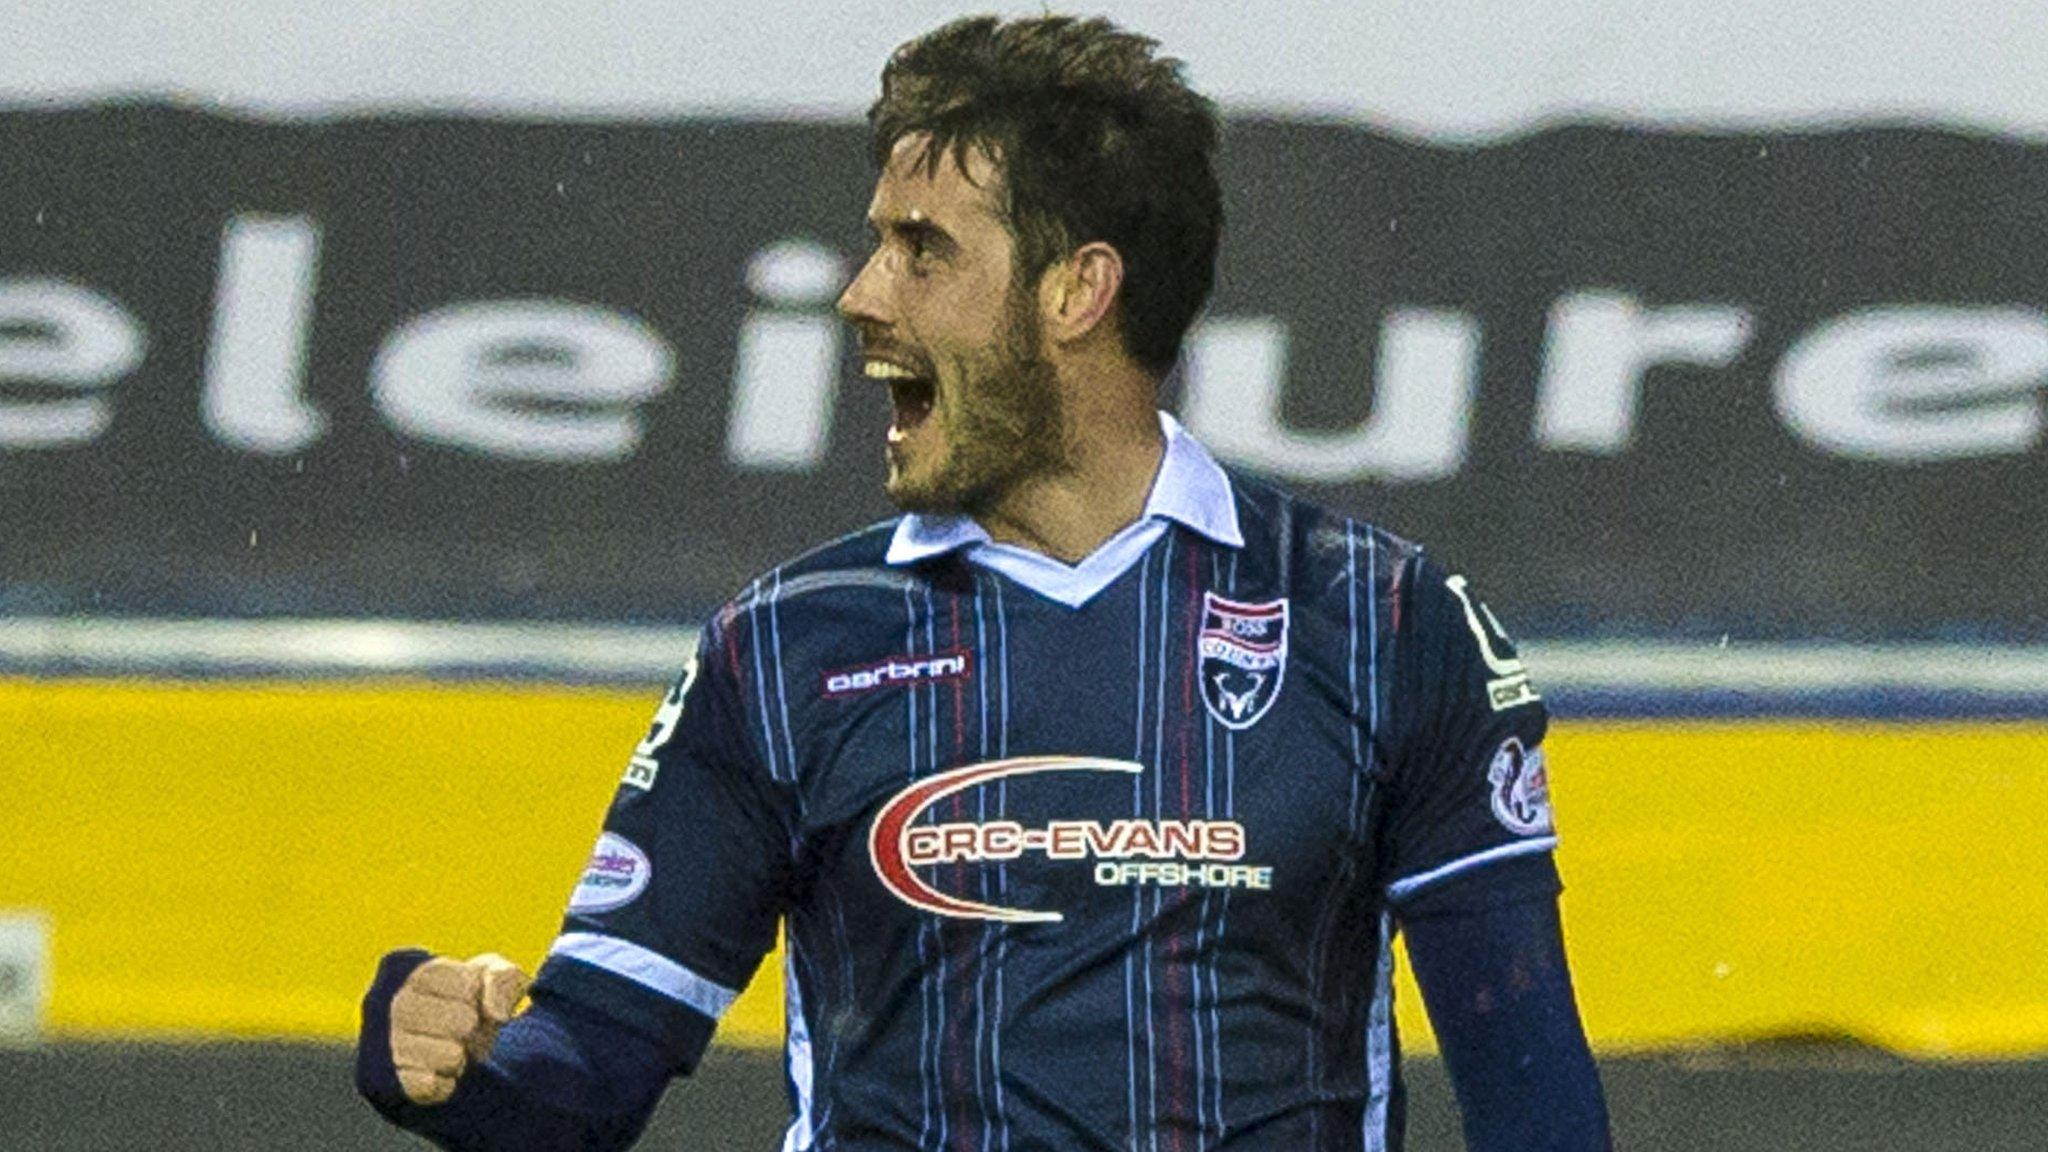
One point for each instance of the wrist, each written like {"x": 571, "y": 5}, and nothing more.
{"x": 376, "y": 1074}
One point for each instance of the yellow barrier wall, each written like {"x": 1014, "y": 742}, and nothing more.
{"x": 231, "y": 858}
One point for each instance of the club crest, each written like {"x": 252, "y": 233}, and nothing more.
{"x": 1244, "y": 657}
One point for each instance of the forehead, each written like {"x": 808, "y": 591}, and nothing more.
{"x": 914, "y": 185}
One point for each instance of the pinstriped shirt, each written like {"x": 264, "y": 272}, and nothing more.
{"x": 1102, "y": 856}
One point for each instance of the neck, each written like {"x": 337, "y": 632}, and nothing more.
{"x": 1069, "y": 514}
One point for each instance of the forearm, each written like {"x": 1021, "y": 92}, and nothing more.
{"x": 559, "y": 1079}
{"x": 1500, "y": 997}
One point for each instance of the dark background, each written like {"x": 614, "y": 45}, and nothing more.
{"x": 1715, "y": 519}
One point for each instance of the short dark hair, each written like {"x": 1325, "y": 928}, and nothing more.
{"x": 1097, "y": 139}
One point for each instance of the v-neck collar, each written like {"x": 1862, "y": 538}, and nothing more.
{"x": 1190, "y": 489}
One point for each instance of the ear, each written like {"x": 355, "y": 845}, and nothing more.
{"x": 1078, "y": 293}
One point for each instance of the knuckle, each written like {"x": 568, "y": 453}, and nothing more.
{"x": 425, "y": 1087}
{"x": 420, "y": 1021}
{"x": 436, "y": 1054}
{"x": 444, "y": 976}
{"x": 432, "y": 1051}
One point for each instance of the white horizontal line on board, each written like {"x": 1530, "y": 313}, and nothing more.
{"x": 654, "y": 653}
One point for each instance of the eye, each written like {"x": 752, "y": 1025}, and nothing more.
{"x": 917, "y": 244}
{"x": 925, "y": 244}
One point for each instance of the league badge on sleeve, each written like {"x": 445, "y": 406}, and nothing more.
{"x": 617, "y": 874}
{"x": 1521, "y": 789}
{"x": 1243, "y": 647}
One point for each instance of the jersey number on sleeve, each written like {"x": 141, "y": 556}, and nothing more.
{"x": 1509, "y": 686}
{"x": 641, "y": 769}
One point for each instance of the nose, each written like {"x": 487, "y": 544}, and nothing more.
{"x": 861, "y": 303}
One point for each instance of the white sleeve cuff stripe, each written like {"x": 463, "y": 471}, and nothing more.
{"x": 646, "y": 968}
{"x": 1408, "y": 886}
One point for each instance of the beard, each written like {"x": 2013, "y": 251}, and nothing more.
{"x": 1002, "y": 421}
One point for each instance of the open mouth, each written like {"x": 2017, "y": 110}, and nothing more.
{"x": 910, "y": 393}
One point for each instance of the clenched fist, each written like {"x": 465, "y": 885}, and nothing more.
{"x": 446, "y": 1016}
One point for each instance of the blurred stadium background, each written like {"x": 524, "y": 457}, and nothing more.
{"x": 385, "y": 390}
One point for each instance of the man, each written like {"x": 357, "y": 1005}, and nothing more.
{"x": 1090, "y": 792}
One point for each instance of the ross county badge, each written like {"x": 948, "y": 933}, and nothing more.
{"x": 1244, "y": 657}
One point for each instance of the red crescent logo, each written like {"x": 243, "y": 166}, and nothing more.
{"x": 892, "y": 825}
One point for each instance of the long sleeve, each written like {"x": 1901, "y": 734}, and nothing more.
{"x": 1494, "y": 977}
{"x": 561, "y": 1078}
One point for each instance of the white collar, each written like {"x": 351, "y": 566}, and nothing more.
{"x": 1191, "y": 488}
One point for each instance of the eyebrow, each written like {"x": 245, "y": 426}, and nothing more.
{"x": 912, "y": 228}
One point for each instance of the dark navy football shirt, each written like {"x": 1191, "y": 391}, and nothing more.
{"x": 1104, "y": 856}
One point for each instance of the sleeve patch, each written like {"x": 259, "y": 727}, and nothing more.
{"x": 617, "y": 874}
{"x": 1520, "y": 788}
{"x": 1508, "y": 686}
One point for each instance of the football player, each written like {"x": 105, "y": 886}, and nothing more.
{"x": 1091, "y": 792}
